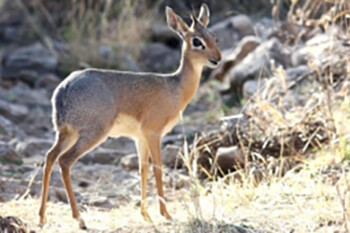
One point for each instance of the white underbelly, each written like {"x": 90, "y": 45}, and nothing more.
{"x": 126, "y": 126}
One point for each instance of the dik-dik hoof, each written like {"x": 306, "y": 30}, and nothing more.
{"x": 42, "y": 221}
{"x": 82, "y": 225}
{"x": 146, "y": 216}
{"x": 165, "y": 214}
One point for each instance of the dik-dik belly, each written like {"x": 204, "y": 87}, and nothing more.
{"x": 128, "y": 126}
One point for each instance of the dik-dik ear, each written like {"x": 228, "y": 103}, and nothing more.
{"x": 176, "y": 23}
{"x": 204, "y": 15}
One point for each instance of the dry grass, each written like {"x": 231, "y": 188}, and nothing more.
{"x": 312, "y": 198}
{"x": 307, "y": 201}
{"x": 88, "y": 26}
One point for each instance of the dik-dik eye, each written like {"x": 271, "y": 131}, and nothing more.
{"x": 197, "y": 43}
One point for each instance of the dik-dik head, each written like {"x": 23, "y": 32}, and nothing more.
{"x": 199, "y": 44}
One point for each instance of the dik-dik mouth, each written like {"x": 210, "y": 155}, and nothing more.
{"x": 213, "y": 63}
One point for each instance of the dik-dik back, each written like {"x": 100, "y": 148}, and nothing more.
{"x": 92, "y": 105}
{"x": 92, "y": 98}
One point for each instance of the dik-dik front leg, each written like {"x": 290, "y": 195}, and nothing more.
{"x": 143, "y": 152}
{"x": 153, "y": 142}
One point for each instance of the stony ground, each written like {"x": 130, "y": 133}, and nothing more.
{"x": 285, "y": 80}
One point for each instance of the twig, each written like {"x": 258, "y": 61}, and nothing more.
{"x": 25, "y": 194}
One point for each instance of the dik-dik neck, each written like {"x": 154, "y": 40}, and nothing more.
{"x": 189, "y": 73}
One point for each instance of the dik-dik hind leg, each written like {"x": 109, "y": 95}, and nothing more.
{"x": 66, "y": 161}
{"x": 143, "y": 165}
{"x": 65, "y": 139}
{"x": 153, "y": 142}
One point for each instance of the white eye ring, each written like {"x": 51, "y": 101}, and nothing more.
{"x": 198, "y": 43}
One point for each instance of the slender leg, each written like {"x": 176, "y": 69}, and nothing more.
{"x": 153, "y": 142}
{"x": 66, "y": 161}
{"x": 143, "y": 158}
{"x": 51, "y": 158}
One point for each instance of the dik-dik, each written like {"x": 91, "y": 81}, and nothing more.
{"x": 93, "y": 104}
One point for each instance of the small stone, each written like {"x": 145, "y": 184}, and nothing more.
{"x": 130, "y": 162}
{"x": 171, "y": 156}
{"x": 9, "y": 155}
{"x": 229, "y": 158}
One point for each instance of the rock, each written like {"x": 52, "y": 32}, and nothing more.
{"x": 12, "y": 111}
{"x": 286, "y": 32}
{"x": 250, "y": 87}
{"x": 9, "y": 155}
{"x": 171, "y": 156}
{"x": 229, "y": 158}
{"x": 38, "y": 122}
{"x": 257, "y": 63}
{"x": 122, "y": 145}
{"x": 231, "y": 30}
{"x": 28, "y": 62}
{"x": 103, "y": 202}
{"x": 130, "y": 162}
{"x": 34, "y": 146}
{"x": 264, "y": 27}
{"x": 102, "y": 156}
{"x": 317, "y": 48}
{"x": 295, "y": 72}
{"x": 125, "y": 60}
{"x": 23, "y": 94}
{"x": 48, "y": 81}
{"x": 9, "y": 129}
{"x": 162, "y": 33}
{"x": 233, "y": 56}
{"x": 157, "y": 57}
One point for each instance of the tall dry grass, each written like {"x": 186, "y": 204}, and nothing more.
{"x": 101, "y": 34}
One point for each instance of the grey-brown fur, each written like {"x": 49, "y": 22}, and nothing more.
{"x": 92, "y": 94}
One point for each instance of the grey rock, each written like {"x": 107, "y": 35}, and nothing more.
{"x": 233, "y": 56}
{"x": 34, "y": 146}
{"x": 158, "y": 57}
{"x": 8, "y": 154}
{"x": 171, "y": 156}
{"x": 229, "y": 158}
{"x": 294, "y": 73}
{"x": 12, "y": 111}
{"x": 102, "y": 156}
{"x": 231, "y": 30}
{"x": 316, "y": 48}
{"x": 122, "y": 145}
{"x": 264, "y": 27}
{"x": 29, "y": 61}
{"x": 125, "y": 61}
{"x": 23, "y": 94}
{"x": 9, "y": 130}
{"x": 257, "y": 63}
{"x": 162, "y": 33}
{"x": 130, "y": 162}
{"x": 250, "y": 87}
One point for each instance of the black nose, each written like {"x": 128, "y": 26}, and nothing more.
{"x": 214, "y": 62}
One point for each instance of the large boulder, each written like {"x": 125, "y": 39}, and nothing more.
{"x": 29, "y": 62}
{"x": 257, "y": 63}
{"x": 158, "y": 57}
{"x": 8, "y": 154}
{"x": 290, "y": 78}
{"x": 230, "y": 31}
{"x": 12, "y": 111}
{"x": 233, "y": 56}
